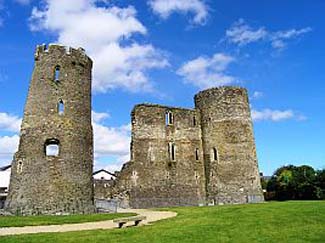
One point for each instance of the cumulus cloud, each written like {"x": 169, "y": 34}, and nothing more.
{"x": 275, "y": 115}
{"x": 8, "y": 146}
{"x": 278, "y": 39}
{"x": 9, "y": 122}
{"x": 241, "y": 34}
{"x": 106, "y": 33}
{"x": 111, "y": 140}
{"x": 99, "y": 116}
{"x": 205, "y": 72}
{"x": 164, "y": 8}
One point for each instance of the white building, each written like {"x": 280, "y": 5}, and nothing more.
{"x": 4, "y": 183}
{"x": 103, "y": 175}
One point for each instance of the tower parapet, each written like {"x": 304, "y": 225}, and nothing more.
{"x": 52, "y": 170}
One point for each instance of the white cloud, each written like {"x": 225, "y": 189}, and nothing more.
{"x": 205, "y": 72}
{"x": 273, "y": 115}
{"x": 240, "y": 33}
{"x": 112, "y": 141}
{"x": 101, "y": 31}
{"x": 257, "y": 95}
{"x": 164, "y": 8}
{"x": 278, "y": 38}
{"x": 8, "y": 146}
{"x": 99, "y": 116}
{"x": 126, "y": 67}
{"x": 113, "y": 167}
{"x": 9, "y": 122}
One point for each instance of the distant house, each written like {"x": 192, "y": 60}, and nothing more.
{"x": 4, "y": 183}
{"x": 103, "y": 175}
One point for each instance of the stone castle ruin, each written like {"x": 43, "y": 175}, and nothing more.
{"x": 195, "y": 156}
{"x": 179, "y": 157}
{"x": 52, "y": 170}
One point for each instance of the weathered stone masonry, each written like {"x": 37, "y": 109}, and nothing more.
{"x": 179, "y": 157}
{"x": 191, "y": 157}
{"x": 52, "y": 170}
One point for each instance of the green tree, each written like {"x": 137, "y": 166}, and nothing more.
{"x": 297, "y": 182}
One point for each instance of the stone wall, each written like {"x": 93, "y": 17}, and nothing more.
{"x": 156, "y": 173}
{"x": 57, "y": 115}
{"x": 104, "y": 189}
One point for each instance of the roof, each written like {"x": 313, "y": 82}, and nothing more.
{"x": 6, "y": 167}
{"x": 102, "y": 170}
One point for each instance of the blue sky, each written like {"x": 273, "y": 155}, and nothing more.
{"x": 165, "y": 51}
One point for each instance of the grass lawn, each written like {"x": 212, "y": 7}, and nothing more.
{"x": 270, "y": 222}
{"x": 17, "y": 221}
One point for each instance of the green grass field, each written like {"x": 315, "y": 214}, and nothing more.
{"x": 270, "y": 222}
{"x": 48, "y": 220}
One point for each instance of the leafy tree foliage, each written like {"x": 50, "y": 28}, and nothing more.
{"x": 296, "y": 183}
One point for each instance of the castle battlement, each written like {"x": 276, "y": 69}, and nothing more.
{"x": 51, "y": 50}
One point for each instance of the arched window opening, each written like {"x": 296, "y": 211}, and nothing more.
{"x": 52, "y": 147}
{"x": 171, "y": 149}
{"x": 197, "y": 152}
{"x": 57, "y": 74}
{"x": 61, "y": 107}
{"x": 169, "y": 118}
{"x": 215, "y": 154}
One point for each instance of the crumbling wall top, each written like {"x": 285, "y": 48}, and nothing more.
{"x": 61, "y": 50}
{"x": 143, "y": 105}
{"x": 219, "y": 91}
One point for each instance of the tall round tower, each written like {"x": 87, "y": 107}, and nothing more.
{"x": 52, "y": 170}
{"x": 230, "y": 159}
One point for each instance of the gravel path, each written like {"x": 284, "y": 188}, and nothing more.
{"x": 152, "y": 216}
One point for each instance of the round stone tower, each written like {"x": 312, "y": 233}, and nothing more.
{"x": 52, "y": 170}
{"x": 230, "y": 159}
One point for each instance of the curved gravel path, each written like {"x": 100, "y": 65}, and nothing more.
{"x": 152, "y": 216}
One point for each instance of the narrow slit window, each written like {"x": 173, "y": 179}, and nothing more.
{"x": 197, "y": 152}
{"x": 52, "y": 147}
{"x": 215, "y": 154}
{"x": 57, "y": 74}
{"x": 169, "y": 118}
{"x": 61, "y": 107}
{"x": 172, "y": 151}
{"x": 194, "y": 121}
